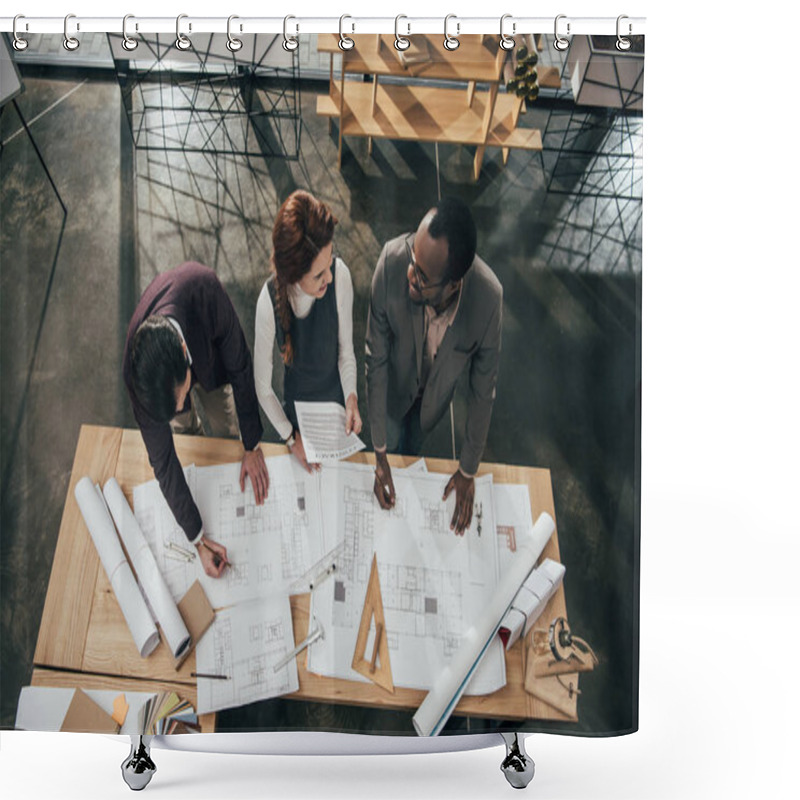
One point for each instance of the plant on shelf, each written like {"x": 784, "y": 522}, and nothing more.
{"x": 525, "y": 81}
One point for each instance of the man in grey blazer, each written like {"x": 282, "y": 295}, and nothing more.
{"x": 436, "y": 312}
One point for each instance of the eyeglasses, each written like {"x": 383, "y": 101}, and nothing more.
{"x": 421, "y": 278}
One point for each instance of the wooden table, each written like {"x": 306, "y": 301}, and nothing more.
{"x": 84, "y": 641}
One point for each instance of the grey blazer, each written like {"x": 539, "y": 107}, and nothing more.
{"x": 394, "y": 350}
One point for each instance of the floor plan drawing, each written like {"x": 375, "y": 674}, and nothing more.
{"x": 242, "y": 646}
{"x": 433, "y": 582}
{"x": 269, "y": 545}
{"x": 424, "y": 603}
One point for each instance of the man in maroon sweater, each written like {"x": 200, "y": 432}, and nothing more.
{"x": 185, "y": 337}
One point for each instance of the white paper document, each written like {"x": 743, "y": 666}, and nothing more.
{"x": 243, "y": 644}
{"x": 323, "y": 529}
{"x": 512, "y": 509}
{"x": 268, "y": 546}
{"x": 433, "y": 582}
{"x": 450, "y": 683}
{"x": 322, "y": 426}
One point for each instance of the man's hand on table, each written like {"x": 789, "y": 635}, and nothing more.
{"x": 384, "y": 485}
{"x": 465, "y": 495}
{"x": 213, "y": 556}
{"x": 253, "y": 464}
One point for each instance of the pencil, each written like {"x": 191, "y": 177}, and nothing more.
{"x": 215, "y": 677}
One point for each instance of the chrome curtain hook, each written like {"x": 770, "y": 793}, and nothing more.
{"x": 451, "y": 42}
{"x": 233, "y": 44}
{"x": 127, "y": 42}
{"x": 20, "y": 44}
{"x": 400, "y": 42}
{"x": 560, "y": 42}
{"x": 506, "y": 42}
{"x": 70, "y": 42}
{"x": 289, "y": 42}
{"x": 182, "y": 42}
{"x": 623, "y": 43}
{"x": 345, "y": 42}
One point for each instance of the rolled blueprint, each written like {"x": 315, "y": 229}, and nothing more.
{"x": 101, "y": 528}
{"x": 144, "y": 562}
{"x": 530, "y": 600}
{"x": 439, "y": 703}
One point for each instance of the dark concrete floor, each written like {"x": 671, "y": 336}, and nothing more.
{"x": 568, "y": 395}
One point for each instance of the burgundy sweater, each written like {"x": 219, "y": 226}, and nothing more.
{"x": 193, "y": 296}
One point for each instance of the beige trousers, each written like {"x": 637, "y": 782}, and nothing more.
{"x": 212, "y": 414}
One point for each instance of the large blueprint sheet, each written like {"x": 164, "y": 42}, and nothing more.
{"x": 433, "y": 582}
{"x": 512, "y": 509}
{"x": 268, "y": 545}
{"x": 243, "y": 644}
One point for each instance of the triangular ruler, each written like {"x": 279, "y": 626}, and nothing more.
{"x": 376, "y": 666}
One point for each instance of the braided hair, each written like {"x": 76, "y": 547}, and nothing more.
{"x": 303, "y": 227}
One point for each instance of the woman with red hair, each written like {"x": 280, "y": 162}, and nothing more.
{"x": 307, "y": 306}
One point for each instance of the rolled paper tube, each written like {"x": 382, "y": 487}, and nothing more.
{"x": 144, "y": 562}
{"x": 126, "y": 590}
{"x": 439, "y": 703}
{"x": 511, "y": 626}
{"x": 530, "y": 600}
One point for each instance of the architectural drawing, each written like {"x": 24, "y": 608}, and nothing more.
{"x": 277, "y": 541}
{"x": 243, "y": 644}
{"x": 268, "y": 546}
{"x": 433, "y": 582}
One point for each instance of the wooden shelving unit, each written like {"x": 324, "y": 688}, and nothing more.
{"x": 425, "y": 108}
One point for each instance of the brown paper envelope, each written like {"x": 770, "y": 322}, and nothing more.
{"x": 85, "y": 716}
{"x": 198, "y": 615}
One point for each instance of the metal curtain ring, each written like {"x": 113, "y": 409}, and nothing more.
{"x": 451, "y": 42}
{"x": 70, "y": 42}
{"x": 400, "y": 42}
{"x": 181, "y": 42}
{"x": 128, "y": 43}
{"x": 560, "y": 42}
{"x": 623, "y": 43}
{"x": 20, "y": 44}
{"x": 233, "y": 44}
{"x": 506, "y": 42}
{"x": 289, "y": 42}
{"x": 345, "y": 42}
